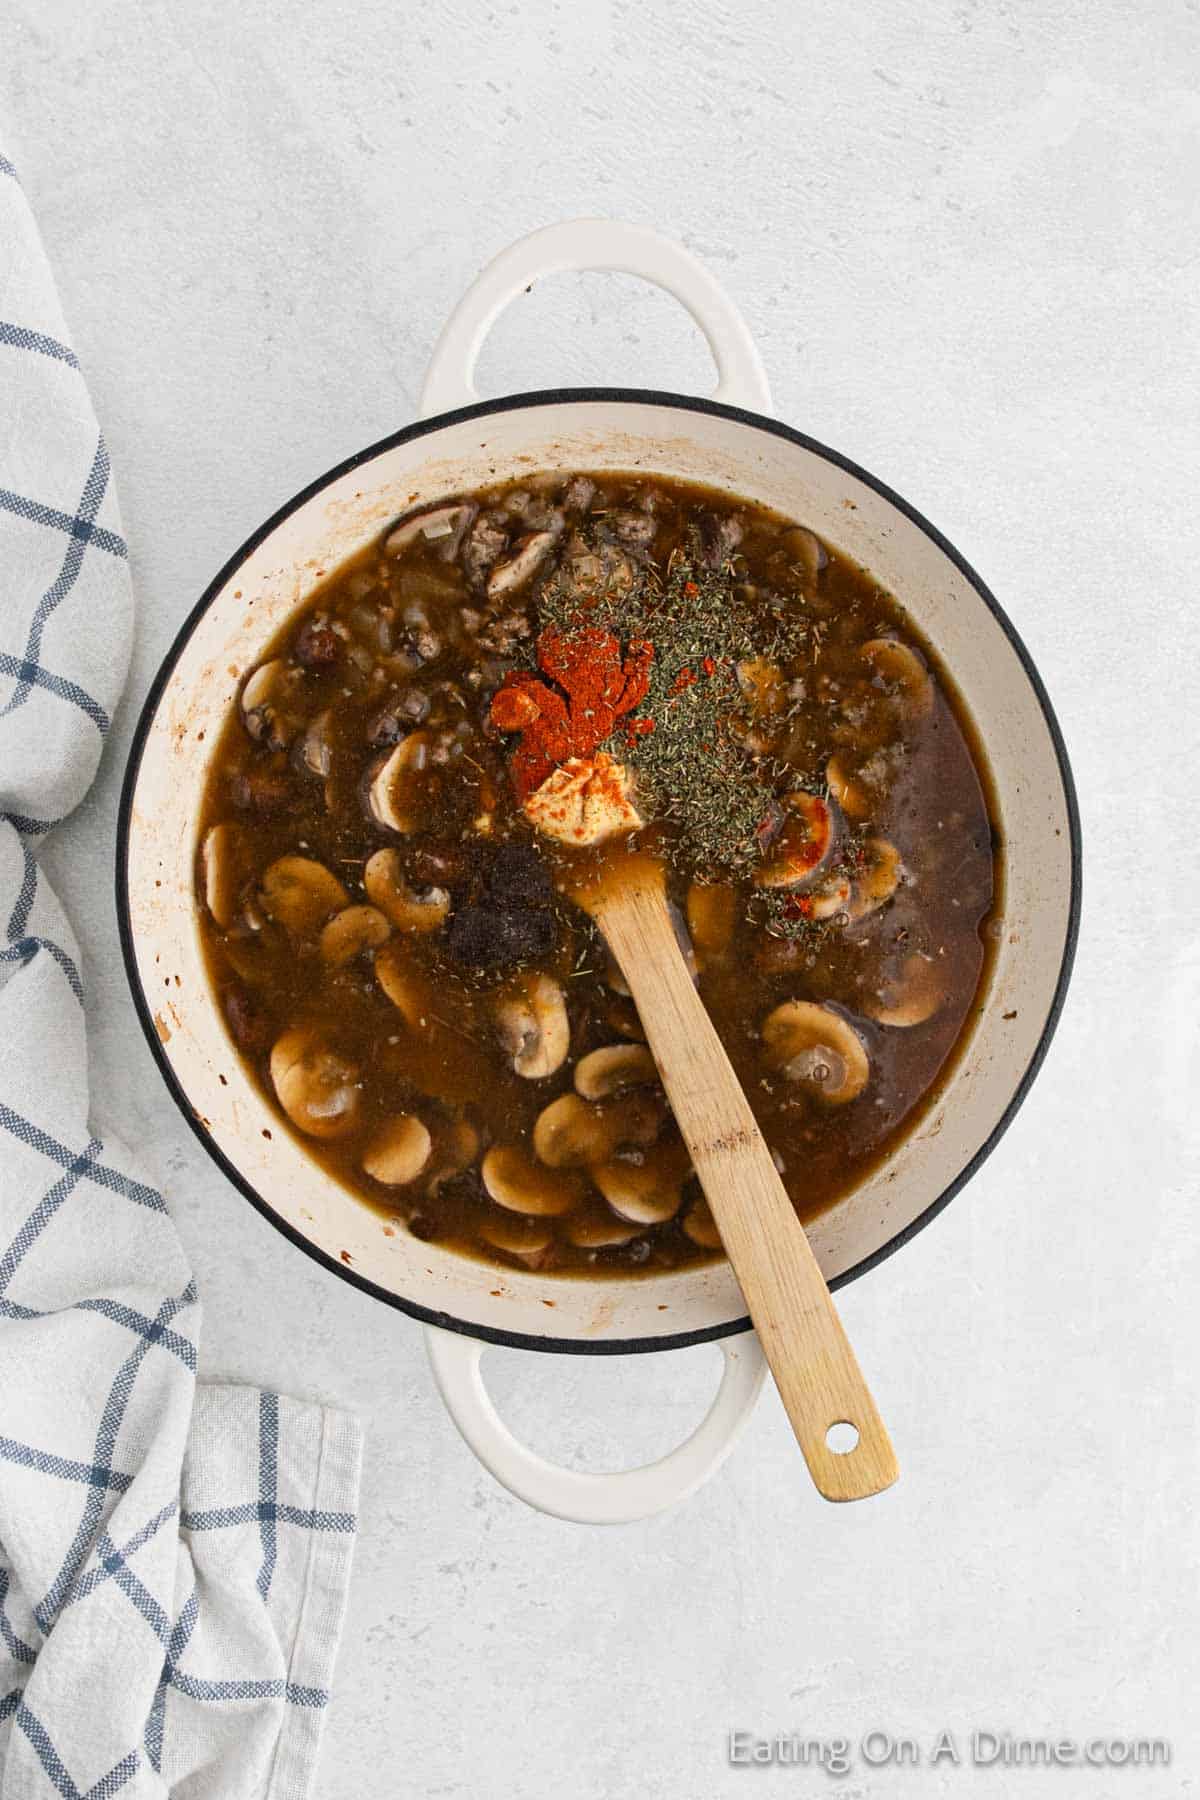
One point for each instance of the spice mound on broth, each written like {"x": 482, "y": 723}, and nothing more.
{"x": 576, "y": 662}
{"x": 654, "y": 685}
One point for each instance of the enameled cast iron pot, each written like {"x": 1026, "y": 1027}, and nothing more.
{"x": 732, "y": 442}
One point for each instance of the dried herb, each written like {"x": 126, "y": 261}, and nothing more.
{"x": 687, "y": 741}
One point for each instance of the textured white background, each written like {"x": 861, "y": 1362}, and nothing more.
{"x": 966, "y": 238}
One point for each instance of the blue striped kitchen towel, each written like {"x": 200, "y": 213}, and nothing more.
{"x": 173, "y": 1558}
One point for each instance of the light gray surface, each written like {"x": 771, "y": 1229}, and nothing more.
{"x": 965, "y": 236}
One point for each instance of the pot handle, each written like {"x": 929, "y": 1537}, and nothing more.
{"x": 615, "y": 1498}
{"x": 595, "y": 244}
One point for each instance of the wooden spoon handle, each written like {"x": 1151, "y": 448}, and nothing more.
{"x": 815, "y": 1369}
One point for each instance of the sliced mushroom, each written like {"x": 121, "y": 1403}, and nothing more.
{"x": 398, "y": 1151}
{"x": 262, "y": 696}
{"x": 818, "y": 1048}
{"x": 711, "y": 913}
{"x": 700, "y": 1226}
{"x": 763, "y": 684}
{"x": 532, "y": 1025}
{"x": 300, "y": 893}
{"x": 614, "y": 978}
{"x": 877, "y": 880}
{"x": 622, "y": 1015}
{"x": 219, "y": 858}
{"x": 317, "y": 1088}
{"x": 406, "y": 986}
{"x": 596, "y": 569}
{"x": 569, "y": 1133}
{"x": 599, "y": 1232}
{"x": 647, "y": 1192}
{"x": 521, "y": 1238}
{"x": 457, "y": 1148}
{"x": 804, "y": 843}
{"x": 316, "y": 751}
{"x": 410, "y": 909}
{"x": 808, "y": 554}
{"x": 902, "y": 672}
{"x": 441, "y": 527}
{"x": 395, "y": 791}
{"x": 850, "y": 794}
{"x": 909, "y": 997}
{"x": 573, "y": 1133}
{"x": 515, "y": 1181}
{"x": 602, "y": 1073}
{"x": 830, "y": 897}
{"x": 350, "y": 932}
{"x": 530, "y": 553}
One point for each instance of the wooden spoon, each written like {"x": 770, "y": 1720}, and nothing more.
{"x": 815, "y": 1370}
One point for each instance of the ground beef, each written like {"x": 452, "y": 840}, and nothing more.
{"x": 407, "y": 708}
{"x": 505, "y": 633}
{"x": 249, "y": 1029}
{"x": 316, "y": 646}
{"x": 636, "y": 530}
{"x": 260, "y": 790}
{"x": 719, "y": 538}
{"x": 487, "y": 539}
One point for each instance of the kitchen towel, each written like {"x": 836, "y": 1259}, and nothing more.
{"x": 173, "y": 1557}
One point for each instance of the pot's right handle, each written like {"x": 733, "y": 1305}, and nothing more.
{"x": 575, "y": 1494}
{"x": 595, "y": 244}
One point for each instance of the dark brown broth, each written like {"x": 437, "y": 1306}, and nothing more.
{"x": 932, "y": 804}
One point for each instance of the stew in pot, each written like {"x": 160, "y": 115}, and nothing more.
{"x": 561, "y": 667}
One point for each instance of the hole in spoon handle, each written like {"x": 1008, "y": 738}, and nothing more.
{"x": 852, "y": 1457}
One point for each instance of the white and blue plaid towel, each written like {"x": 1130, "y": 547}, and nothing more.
{"x": 173, "y": 1559}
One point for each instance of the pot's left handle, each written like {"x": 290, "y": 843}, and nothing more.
{"x": 615, "y": 1498}
{"x": 595, "y": 244}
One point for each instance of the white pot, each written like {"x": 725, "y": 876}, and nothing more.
{"x": 733, "y": 443}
